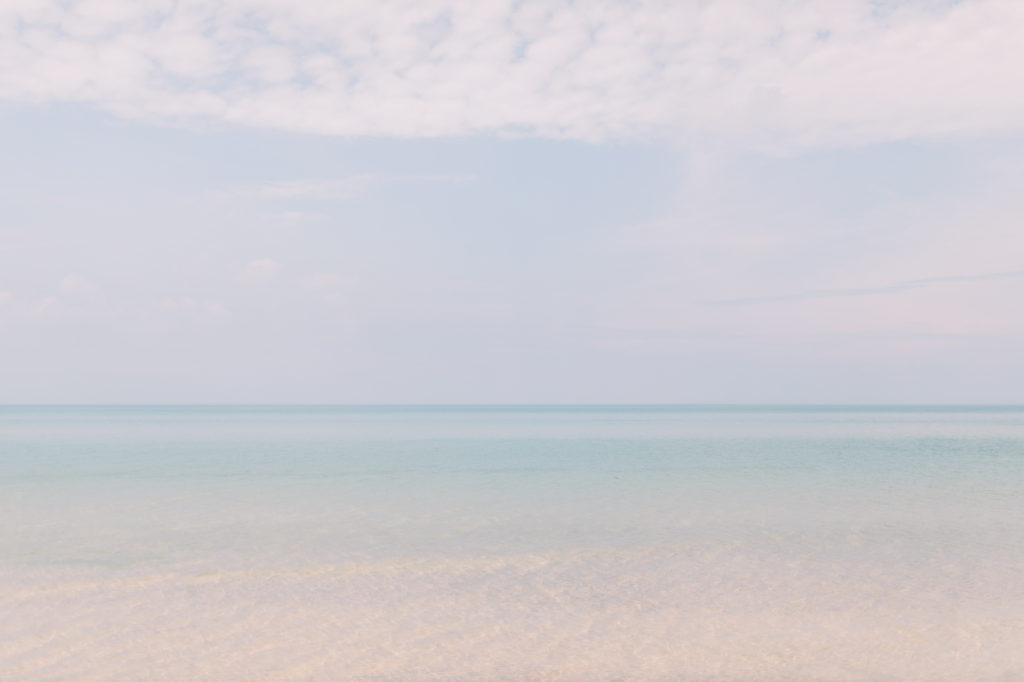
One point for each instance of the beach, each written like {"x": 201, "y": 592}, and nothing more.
{"x": 508, "y": 543}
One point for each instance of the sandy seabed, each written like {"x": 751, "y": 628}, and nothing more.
{"x": 624, "y": 615}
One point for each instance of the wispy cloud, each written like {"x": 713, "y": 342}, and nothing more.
{"x": 344, "y": 188}
{"x": 76, "y": 285}
{"x": 337, "y": 188}
{"x": 894, "y": 288}
{"x": 782, "y": 73}
{"x": 261, "y": 270}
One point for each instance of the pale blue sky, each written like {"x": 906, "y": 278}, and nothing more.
{"x": 190, "y": 212}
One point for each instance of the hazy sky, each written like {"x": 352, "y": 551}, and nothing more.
{"x": 529, "y": 201}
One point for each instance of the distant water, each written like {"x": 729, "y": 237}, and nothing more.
{"x": 508, "y": 543}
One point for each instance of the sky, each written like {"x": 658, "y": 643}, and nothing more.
{"x": 697, "y": 201}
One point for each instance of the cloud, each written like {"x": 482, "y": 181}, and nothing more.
{"x": 344, "y": 188}
{"x": 176, "y": 304}
{"x": 47, "y": 307}
{"x": 76, "y": 285}
{"x": 258, "y": 271}
{"x": 784, "y": 73}
{"x": 337, "y": 188}
{"x": 76, "y": 297}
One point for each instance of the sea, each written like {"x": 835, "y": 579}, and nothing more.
{"x": 477, "y": 543}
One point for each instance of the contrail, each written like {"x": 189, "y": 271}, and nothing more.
{"x": 869, "y": 291}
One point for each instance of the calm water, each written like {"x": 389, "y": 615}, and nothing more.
{"x": 454, "y": 543}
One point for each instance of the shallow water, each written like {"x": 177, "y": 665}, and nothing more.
{"x": 575, "y": 543}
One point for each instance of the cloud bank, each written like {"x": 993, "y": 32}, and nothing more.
{"x": 761, "y": 73}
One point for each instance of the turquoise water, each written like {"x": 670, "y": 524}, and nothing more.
{"x": 750, "y": 541}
